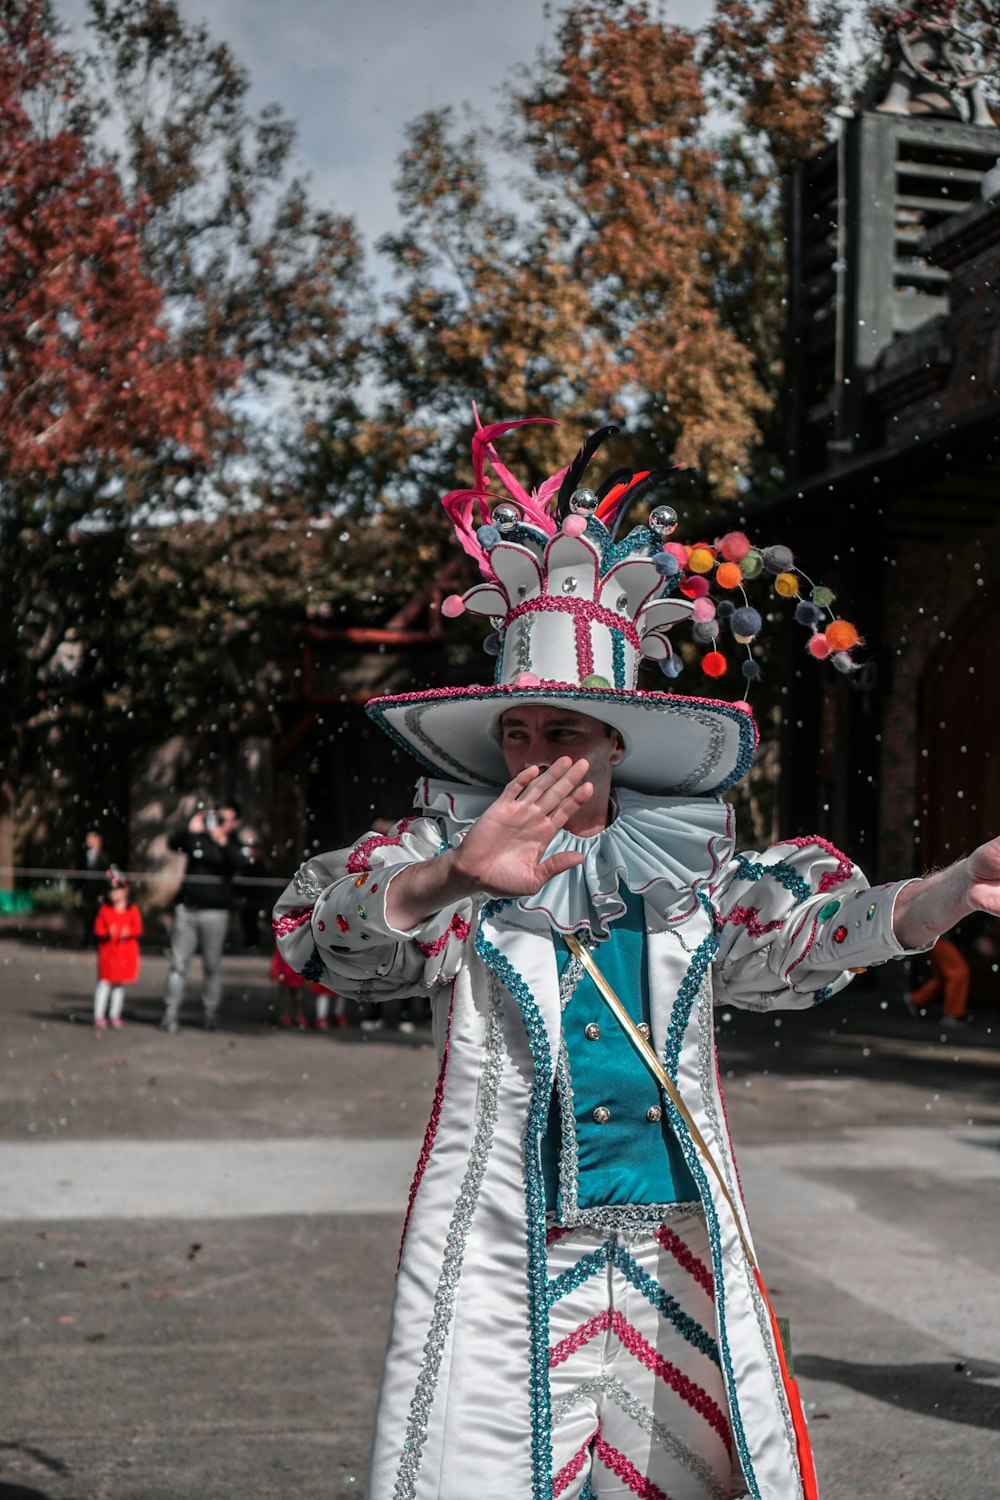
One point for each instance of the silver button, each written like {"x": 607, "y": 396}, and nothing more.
{"x": 643, "y": 1030}
{"x": 602, "y": 1115}
{"x": 592, "y": 1032}
{"x": 654, "y": 1113}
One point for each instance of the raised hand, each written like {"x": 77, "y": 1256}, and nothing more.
{"x": 502, "y": 853}
{"x": 926, "y": 908}
{"x": 983, "y": 873}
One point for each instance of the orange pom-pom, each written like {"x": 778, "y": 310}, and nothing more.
{"x": 729, "y": 575}
{"x": 734, "y": 546}
{"x": 842, "y": 635}
{"x": 714, "y": 664}
{"x": 787, "y": 585}
{"x": 818, "y": 646}
{"x": 701, "y": 559}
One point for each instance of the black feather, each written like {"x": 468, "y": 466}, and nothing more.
{"x": 575, "y": 472}
{"x": 620, "y": 476}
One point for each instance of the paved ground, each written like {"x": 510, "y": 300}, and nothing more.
{"x": 197, "y": 1237}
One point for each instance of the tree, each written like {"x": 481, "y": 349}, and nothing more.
{"x": 638, "y": 278}
{"x": 155, "y": 298}
{"x": 775, "y": 65}
{"x": 251, "y": 269}
{"x": 616, "y": 127}
{"x": 87, "y": 368}
{"x": 89, "y": 373}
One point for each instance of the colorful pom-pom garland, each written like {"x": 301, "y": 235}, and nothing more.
{"x": 713, "y": 574}
{"x": 730, "y": 563}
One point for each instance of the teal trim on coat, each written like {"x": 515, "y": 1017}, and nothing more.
{"x": 534, "y": 1192}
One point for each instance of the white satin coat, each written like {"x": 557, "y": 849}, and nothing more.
{"x": 463, "y": 1406}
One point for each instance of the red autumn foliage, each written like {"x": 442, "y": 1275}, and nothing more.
{"x": 87, "y": 369}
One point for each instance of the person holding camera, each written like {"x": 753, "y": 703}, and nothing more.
{"x": 201, "y": 912}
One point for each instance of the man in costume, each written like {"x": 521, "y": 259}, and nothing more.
{"x": 577, "y": 1310}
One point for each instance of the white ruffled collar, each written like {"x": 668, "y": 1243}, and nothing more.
{"x": 663, "y": 848}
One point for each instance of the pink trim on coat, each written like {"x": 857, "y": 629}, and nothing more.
{"x": 432, "y": 1124}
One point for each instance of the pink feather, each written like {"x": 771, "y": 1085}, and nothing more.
{"x": 460, "y": 506}
{"x": 548, "y": 491}
{"x": 483, "y": 448}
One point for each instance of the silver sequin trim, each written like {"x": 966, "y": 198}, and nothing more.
{"x": 411, "y": 722}
{"x": 716, "y": 734}
{"x": 568, "y": 981}
{"x": 451, "y": 1270}
{"x": 306, "y": 884}
{"x": 767, "y": 1335}
{"x": 524, "y": 643}
{"x": 569, "y": 1161}
{"x": 706, "y": 1076}
{"x": 568, "y": 1156}
{"x": 624, "y": 1218}
{"x": 686, "y": 1457}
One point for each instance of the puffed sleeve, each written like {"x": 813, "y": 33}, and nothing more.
{"x": 330, "y": 923}
{"x": 793, "y": 924}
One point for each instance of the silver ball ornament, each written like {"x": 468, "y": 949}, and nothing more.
{"x": 583, "y": 502}
{"x": 505, "y": 517}
{"x": 663, "y": 520}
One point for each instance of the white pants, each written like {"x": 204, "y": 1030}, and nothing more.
{"x": 106, "y": 989}
{"x": 638, "y": 1402}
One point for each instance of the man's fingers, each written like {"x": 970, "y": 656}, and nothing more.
{"x": 557, "y": 784}
{"x": 517, "y": 784}
{"x": 556, "y": 863}
{"x": 570, "y": 802}
{"x": 546, "y": 779}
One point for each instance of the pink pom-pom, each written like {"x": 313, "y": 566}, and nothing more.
{"x": 734, "y": 546}
{"x": 526, "y": 679}
{"x": 453, "y": 606}
{"x": 703, "y": 609}
{"x": 574, "y": 525}
{"x": 695, "y": 587}
{"x": 818, "y": 646}
{"x": 678, "y": 550}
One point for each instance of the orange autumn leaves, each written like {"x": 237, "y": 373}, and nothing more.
{"x": 86, "y": 360}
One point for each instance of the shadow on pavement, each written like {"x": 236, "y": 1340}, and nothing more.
{"x": 947, "y": 1392}
{"x": 851, "y": 1036}
{"x": 246, "y": 1015}
{"x": 43, "y": 1460}
{"x": 20, "y": 1492}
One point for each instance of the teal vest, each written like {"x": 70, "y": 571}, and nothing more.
{"x": 606, "y": 1107}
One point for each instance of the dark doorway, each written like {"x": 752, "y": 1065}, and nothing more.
{"x": 958, "y": 742}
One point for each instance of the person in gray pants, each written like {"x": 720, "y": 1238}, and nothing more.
{"x": 201, "y": 913}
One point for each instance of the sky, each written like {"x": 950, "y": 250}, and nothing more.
{"x": 350, "y": 74}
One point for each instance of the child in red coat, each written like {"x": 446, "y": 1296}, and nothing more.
{"x": 117, "y": 928}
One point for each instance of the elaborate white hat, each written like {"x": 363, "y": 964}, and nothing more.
{"x": 573, "y": 613}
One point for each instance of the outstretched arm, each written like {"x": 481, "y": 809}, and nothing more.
{"x": 926, "y": 908}
{"x": 503, "y": 852}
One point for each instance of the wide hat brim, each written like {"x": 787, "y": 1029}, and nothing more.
{"x": 674, "y": 746}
